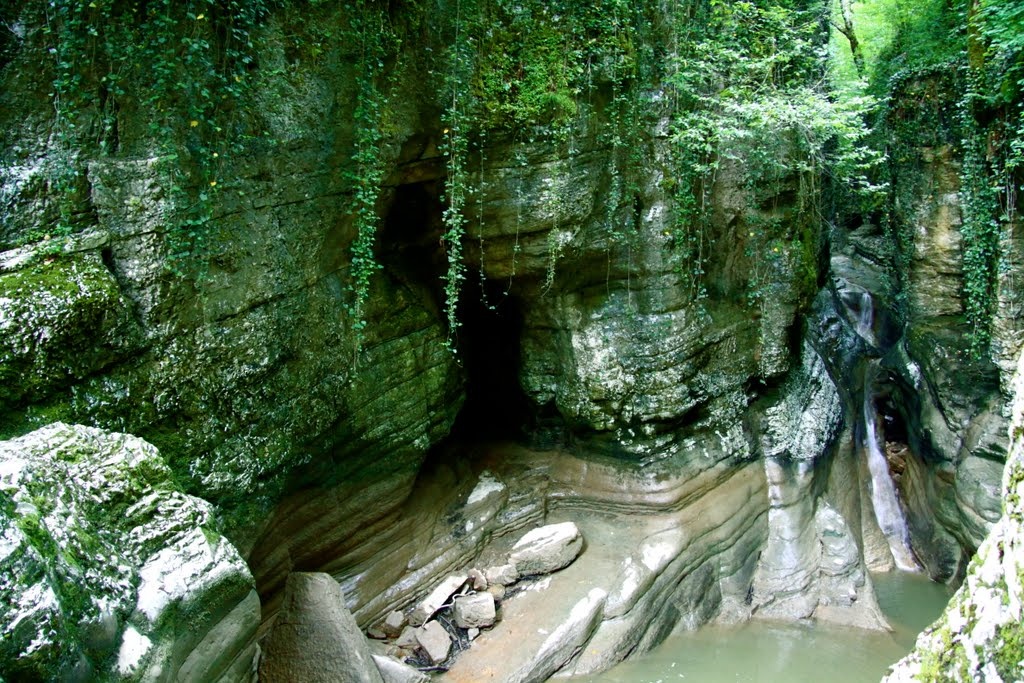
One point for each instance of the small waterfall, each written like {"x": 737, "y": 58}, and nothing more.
{"x": 865, "y": 318}
{"x": 883, "y": 491}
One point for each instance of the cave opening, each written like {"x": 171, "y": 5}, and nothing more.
{"x": 488, "y": 342}
{"x": 491, "y": 318}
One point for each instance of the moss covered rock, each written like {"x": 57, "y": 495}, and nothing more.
{"x": 61, "y": 320}
{"x": 108, "y": 571}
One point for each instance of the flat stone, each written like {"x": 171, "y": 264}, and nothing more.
{"x": 476, "y": 610}
{"x": 502, "y": 575}
{"x": 394, "y": 671}
{"x": 407, "y": 639}
{"x": 435, "y": 641}
{"x": 547, "y": 549}
{"x": 472, "y": 633}
{"x": 393, "y": 624}
{"x": 438, "y": 597}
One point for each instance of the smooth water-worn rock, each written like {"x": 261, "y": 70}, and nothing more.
{"x": 564, "y": 641}
{"x": 110, "y": 571}
{"x": 394, "y": 671}
{"x": 315, "y": 638}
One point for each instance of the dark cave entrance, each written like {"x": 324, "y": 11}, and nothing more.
{"x": 488, "y": 342}
{"x": 488, "y": 339}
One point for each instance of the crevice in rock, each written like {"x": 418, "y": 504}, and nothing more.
{"x": 411, "y": 249}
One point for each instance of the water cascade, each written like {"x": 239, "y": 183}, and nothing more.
{"x": 885, "y": 502}
{"x": 865, "y": 319}
{"x": 888, "y": 512}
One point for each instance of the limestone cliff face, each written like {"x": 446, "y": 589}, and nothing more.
{"x": 247, "y": 369}
{"x": 947, "y": 404}
{"x": 246, "y": 373}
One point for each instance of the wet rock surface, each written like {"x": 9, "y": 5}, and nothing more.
{"x": 110, "y": 571}
{"x": 980, "y": 636}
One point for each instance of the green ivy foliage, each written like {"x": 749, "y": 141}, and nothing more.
{"x": 749, "y": 84}
{"x": 370, "y": 31}
{"x": 184, "y": 66}
{"x": 738, "y": 81}
{"x": 971, "y": 57}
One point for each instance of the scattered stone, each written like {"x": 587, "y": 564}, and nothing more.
{"x": 497, "y": 591}
{"x": 547, "y": 549}
{"x": 502, "y": 575}
{"x": 315, "y": 638}
{"x": 393, "y": 624}
{"x": 407, "y": 639}
{"x": 479, "y": 582}
{"x": 438, "y": 597}
{"x": 472, "y": 633}
{"x": 435, "y": 641}
{"x": 394, "y": 671}
{"x": 476, "y": 610}
{"x": 377, "y": 633}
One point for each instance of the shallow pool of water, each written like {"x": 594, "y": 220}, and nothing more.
{"x": 767, "y": 652}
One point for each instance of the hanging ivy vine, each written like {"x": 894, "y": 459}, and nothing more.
{"x": 184, "y": 64}
{"x": 375, "y": 41}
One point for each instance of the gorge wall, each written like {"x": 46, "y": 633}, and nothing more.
{"x": 711, "y": 377}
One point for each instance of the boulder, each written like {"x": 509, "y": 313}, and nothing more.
{"x": 394, "y": 671}
{"x": 547, "y": 549}
{"x": 474, "y": 611}
{"x": 435, "y": 641}
{"x": 407, "y": 639}
{"x": 438, "y": 597}
{"x": 109, "y": 572}
{"x": 501, "y": 575}
{"x": 315, "y": 638}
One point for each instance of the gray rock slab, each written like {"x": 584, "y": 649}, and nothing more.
{"x": 435, "y": 641}
{"x": 438, "y": 597}
{"x": 547, "y": 549}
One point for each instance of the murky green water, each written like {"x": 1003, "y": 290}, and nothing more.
{"x": 761, "y": 652}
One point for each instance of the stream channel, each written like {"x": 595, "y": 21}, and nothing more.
{"x": 772, "y": 652}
